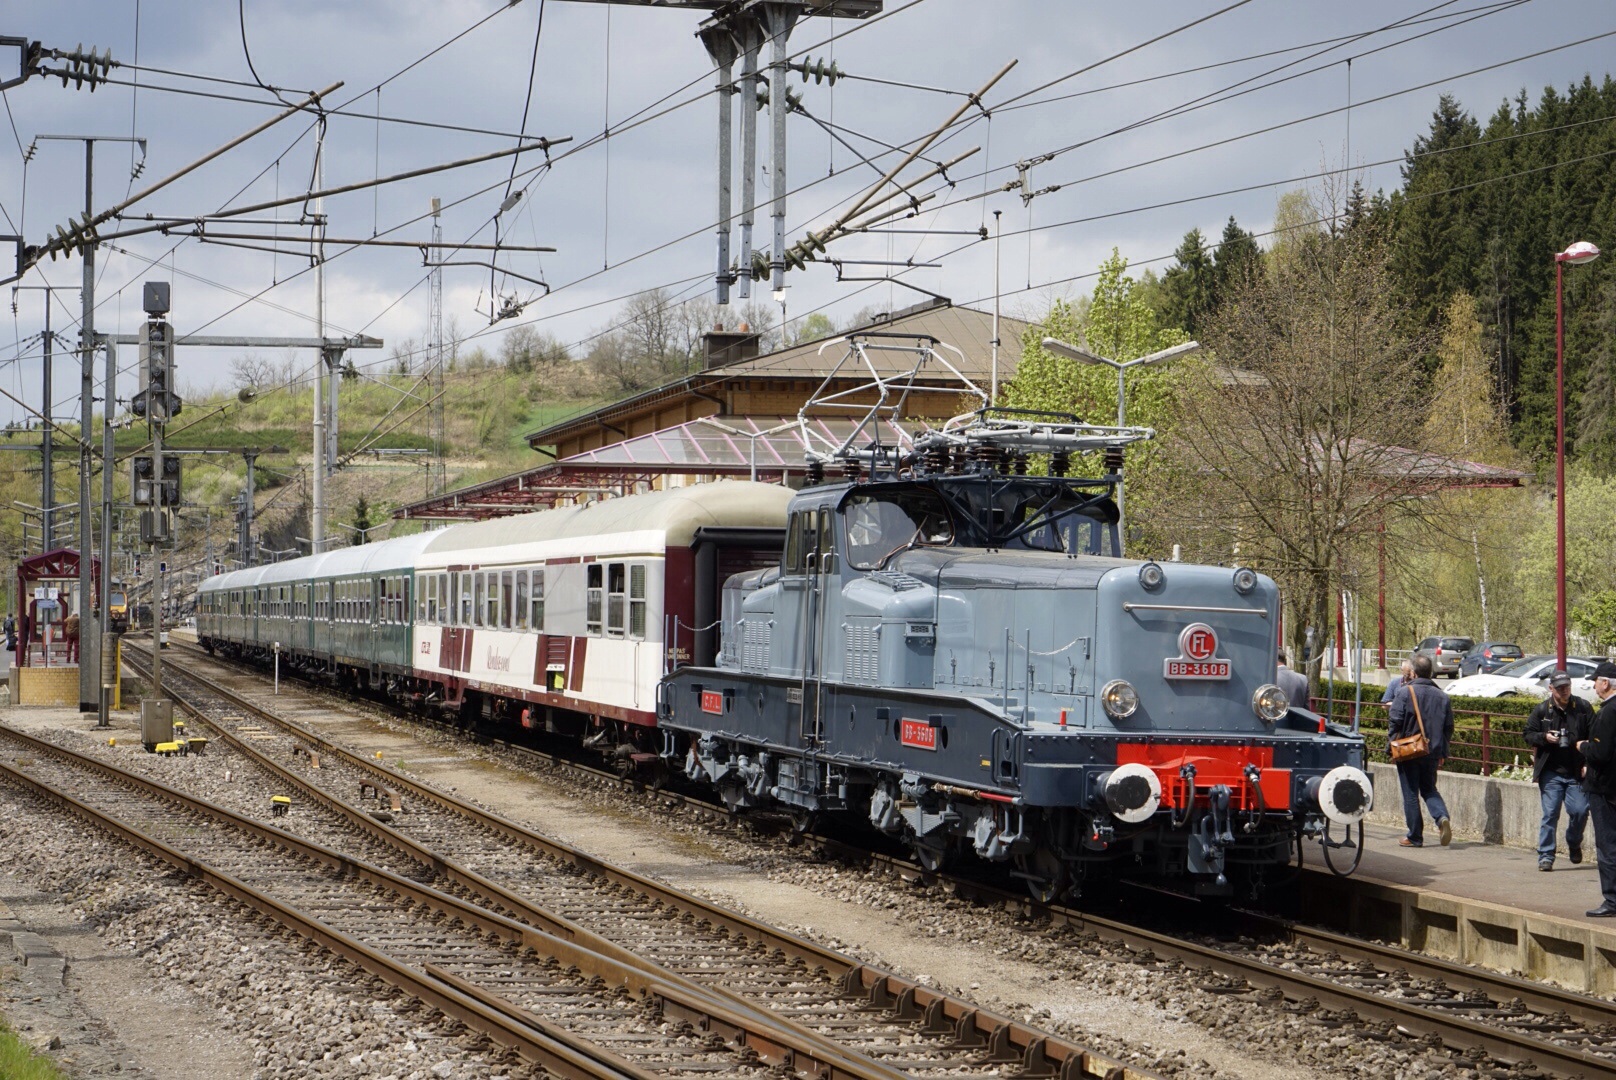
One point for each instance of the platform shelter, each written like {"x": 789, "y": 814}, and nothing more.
{"x": 45, "y": 667}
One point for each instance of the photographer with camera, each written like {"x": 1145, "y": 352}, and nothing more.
{"x": 1553, "y": 731}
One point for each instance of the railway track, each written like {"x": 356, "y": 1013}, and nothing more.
{"x": 576, "y": 1013}
{"x": 896, "y": 1027}
{"x": 1456, "y": 1013}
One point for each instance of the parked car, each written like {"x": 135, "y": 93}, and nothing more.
{"x": 1445, "y": 653}
{"x": 1488, "y": 656}
{"x": 1527, "y": 677}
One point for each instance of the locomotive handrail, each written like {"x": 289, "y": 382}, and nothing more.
{"x": 1131, "y": 606}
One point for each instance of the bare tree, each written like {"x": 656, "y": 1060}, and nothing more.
{"x": 254, "y": 370}
{"x": 1298, "y": 445}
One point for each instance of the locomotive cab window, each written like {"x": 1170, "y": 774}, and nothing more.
{"x": 1068, "y": 527}
{"x": 878, "y": 526}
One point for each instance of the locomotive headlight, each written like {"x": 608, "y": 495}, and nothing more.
{"x": 1270, "y": 703}
{"x": 1152, "y": 576}
{"x": 1245, "y": 579}
{"x": 1119, "y": 698}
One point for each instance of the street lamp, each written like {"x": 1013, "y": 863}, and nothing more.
{"x": 1577, "y": 254}
{"x": 1083, "y": 356}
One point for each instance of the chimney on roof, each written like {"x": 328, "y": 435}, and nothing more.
{"x": 723, "y": 348}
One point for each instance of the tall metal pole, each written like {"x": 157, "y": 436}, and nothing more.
{"x": 246, "y": 547}
{"x": 158, "y": 511}
{"x": 748, "y": 31}
{"x": 317, "y": 513}
{"x": 437, "y": 467}
{"x": 720, "y": 45}
{"x": 781, "y": 18}
{"x": 47, "y": 476}
{"x": 109, "y": 642}
{"x": 89, "y": 675}
{"x": 1122, "y": 421}
{"x": 1559, "y": 467}
{"x": 998, "y": 243}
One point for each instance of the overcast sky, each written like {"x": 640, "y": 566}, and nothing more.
{"x": 637, "y": 210}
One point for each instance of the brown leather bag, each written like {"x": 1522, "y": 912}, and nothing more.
{"x": 1410, "y": 747}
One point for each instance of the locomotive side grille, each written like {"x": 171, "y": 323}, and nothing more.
{"x": 755, "y": 645}
{"x": 862, "y": 662}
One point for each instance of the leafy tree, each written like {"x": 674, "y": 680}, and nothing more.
{"x": 1594, "y": 617}
{"x": 1590, "y": 552}
{"x": 1189, "y": 286}
{"x": 1596, "y": 413}
{"x": 1117, "y": 324}
{"x": 1468, "y": 580}
{"x": 1238, "y": 256}
{"x": 816, "y": 326}
{"x": 1289, "y": 463}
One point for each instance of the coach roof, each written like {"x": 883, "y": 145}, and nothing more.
{"x": 676, "y": 513}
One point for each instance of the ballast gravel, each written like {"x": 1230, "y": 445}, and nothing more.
{"x": 297, "y": 1010}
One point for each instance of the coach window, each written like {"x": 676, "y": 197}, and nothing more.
{"x": 636, "y": 601}
{"x": 506, "y": 596}
{"x": 491, "y": 619}
{"x": 467, "y": 600}
{"x": 616, "y": 594}
{"x": 428, "y": 587}
{"x": 479, "y": 597}
{"x": 519, "y": 601}
{"x": 593, "y": 596}
{"x": 538, "y": 600}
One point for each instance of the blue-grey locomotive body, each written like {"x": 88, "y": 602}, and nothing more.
{"x": 956, "y": 653}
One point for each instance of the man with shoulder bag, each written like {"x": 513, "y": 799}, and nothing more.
{"x": 1599, "y": 781}
{"x": 1553, "y": 731}
{"x": 1419, "y": 728}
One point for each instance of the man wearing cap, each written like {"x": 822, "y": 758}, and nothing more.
{"x": 1553, "y": 731}
{"x": 1294, "y": 683}
{"x": 1599, "y": 781}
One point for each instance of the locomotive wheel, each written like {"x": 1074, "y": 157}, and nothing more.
{"x": 931, "y": 856}
{"x": 803, "y": 821}
{"x": 1044, "y": 872}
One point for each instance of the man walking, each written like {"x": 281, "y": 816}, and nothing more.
{"x": 1420, "y": 704}
{"x": 1599, "y": 781}
{"x": 1405, "y": 674}
{"x": 1553, "y": 731}
{"x": 1294, "y": 683}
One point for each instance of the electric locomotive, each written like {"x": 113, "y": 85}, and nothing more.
{"x": 953, "y": 650}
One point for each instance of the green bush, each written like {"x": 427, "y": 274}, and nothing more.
{"x": 1495, "y": 722}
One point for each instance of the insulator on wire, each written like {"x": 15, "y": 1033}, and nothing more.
{"x": 1113, "y": 459}
{"x": 1021, "y": 462}
{"x": 1060, "y": 462}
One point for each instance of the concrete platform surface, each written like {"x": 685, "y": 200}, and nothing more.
{"x": 1507, "y": 876}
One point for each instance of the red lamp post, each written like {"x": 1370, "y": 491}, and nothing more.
{"x": 1576, "y": 254}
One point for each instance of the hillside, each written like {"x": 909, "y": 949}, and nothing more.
{"x": 487, "y": 411}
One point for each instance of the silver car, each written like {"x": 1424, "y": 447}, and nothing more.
{"x": 1445, "y": 653}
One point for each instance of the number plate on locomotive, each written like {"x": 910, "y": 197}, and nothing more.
{"x": 712, "y": 702}
{"x": 917, "y": 733}
{"x": 1195, "y": 669}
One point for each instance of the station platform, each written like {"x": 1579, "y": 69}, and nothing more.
{"x": 1475, "y": 903}
{"x": 1487, "y": 872}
